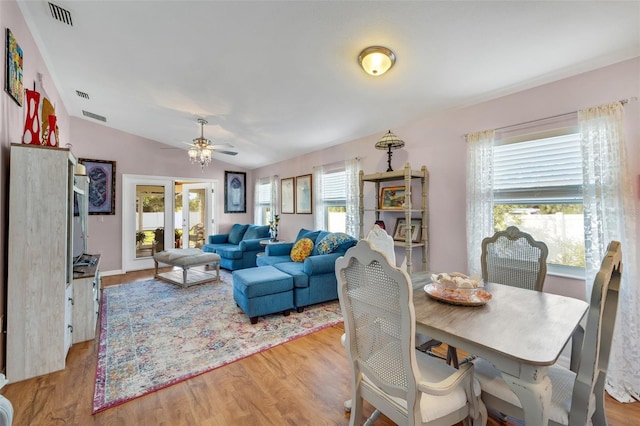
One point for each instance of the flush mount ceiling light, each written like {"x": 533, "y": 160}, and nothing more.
{"x": 376, "y": 60}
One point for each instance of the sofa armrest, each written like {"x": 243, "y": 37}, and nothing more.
{"x": 282, "y": 249}
{"x": 218, "y": 238}
{"x": 251, "y": 245}
{"x": 321, "y": 263}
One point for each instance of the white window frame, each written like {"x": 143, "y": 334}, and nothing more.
{"x": 517, "y": 175}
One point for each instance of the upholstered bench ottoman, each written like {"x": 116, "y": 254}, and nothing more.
{"x": 262, "y": 291}
{"x": 186, "y": 258}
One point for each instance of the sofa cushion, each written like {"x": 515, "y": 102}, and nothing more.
{"x": 236, "y": 233}
{"x": 337, "y": 241}
{"x": 256, "y": 231}
{"x": 231, "y": 252}
{"x": 305, "y": 233}
{"x": 296, "y": 270}
{"x": 301, "y": 250}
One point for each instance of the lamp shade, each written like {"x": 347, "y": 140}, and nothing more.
{"x": 376, "y": 60}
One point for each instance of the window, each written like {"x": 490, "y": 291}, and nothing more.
{"x": 538, "y": 188}
{"x": 263, "y": 202}
{"x": 334, "y": 200}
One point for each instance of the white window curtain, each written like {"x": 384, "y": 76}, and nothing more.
{"x": 273, "y": 181}
{"x": 609, "y": 214}
{"x": 352, "y": 170}
{"x": 318, "y": 198}
{"x": 479, "y": 195}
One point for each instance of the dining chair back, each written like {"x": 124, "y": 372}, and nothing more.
{"x": 513, "y": 257}
{"x": 576, "y": 398}
{"x": 409, "y": 387}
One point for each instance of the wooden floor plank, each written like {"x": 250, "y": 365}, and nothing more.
{"x": 305, "y": 381}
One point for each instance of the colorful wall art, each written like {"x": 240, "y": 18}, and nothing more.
{"x": 13, "y": 72}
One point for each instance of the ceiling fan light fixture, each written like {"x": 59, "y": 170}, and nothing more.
{"x": 201, "y": 150}
{"x": 376, "y": 60}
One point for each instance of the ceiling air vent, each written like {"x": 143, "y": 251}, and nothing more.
{"x": 60, "y": 14}
{"x": 94, "y": 116}
{"x": 82, "y": 94}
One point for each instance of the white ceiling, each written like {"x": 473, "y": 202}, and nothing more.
{"x": 277, "y": 79}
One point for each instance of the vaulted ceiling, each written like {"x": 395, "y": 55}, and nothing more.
{"x": 277, "y": 79}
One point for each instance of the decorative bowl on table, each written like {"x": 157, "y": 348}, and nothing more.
{"x": 457, "y": 289}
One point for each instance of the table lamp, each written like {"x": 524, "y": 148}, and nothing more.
{"x": 389, "y": 142}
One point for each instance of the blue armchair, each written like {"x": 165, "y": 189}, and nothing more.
{"x": 238, "y": 248}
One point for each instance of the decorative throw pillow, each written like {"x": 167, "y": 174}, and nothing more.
{"x": 236, "y": 233}
{"x": 301, "y": 250}
{"x": 331, "y": 242}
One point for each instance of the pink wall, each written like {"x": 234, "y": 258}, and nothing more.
{"x": 437, "y": 141}
{"x": 138, "y": 156}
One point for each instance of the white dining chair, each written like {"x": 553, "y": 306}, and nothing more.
{"x": 514, "y": 258}
{"x": 576, "y": 397}
{"x": 406, "y": 385}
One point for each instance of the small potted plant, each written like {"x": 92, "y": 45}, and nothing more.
{"x": 178, "y": 237}
{"x": 273, "y": 227}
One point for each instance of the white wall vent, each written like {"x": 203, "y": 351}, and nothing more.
{"x": 60, "y": 14}
{"x": 82, "y": 94}
{"x": 94, "y": 116}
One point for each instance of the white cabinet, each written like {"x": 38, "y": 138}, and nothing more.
{"x": 39, "y": 280}
{"x": 86, "y": 300}
{"x": 408, "y": 211}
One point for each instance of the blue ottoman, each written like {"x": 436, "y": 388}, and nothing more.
{"x": 262, "y": 291}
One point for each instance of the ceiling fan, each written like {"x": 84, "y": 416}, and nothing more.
{"x": 203, "y": 147}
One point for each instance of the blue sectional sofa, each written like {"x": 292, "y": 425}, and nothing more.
{"x": 314, "y": 279}
{"x": 238, "y": 248}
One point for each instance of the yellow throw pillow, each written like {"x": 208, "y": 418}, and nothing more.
{"x": 301, "y": 250}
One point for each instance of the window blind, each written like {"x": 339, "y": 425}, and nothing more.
{"x": 264, "y": 192}
{"x": 334, "y": 186}
{"x": 547, "y": 170}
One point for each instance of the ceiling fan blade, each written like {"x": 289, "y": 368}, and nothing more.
{"x": 225, "y": 152}
{"x": 215, "y": 145}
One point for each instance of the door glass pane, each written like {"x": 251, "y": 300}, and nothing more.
{"x": 150, "y": 207}
{"x": 197, "y": 212}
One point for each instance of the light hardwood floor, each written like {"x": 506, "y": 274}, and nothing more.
{"x": 303, "y": 382}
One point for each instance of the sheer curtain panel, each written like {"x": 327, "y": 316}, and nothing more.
{"x": 479, "y": 195}
{"x": 609, "y": 214}
{"x": 352, "y": 169}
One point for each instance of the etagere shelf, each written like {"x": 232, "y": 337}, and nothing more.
{"x": 406, "y": 176}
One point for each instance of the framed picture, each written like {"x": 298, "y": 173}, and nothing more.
{"x": 392, "y": 198}
{"x": 102, "y": 185}
{"x": 303, "y": 194}
{"x": 235, "y": 192}
{"x": 13, "y": 71}
{"x": 401, "y": 230}
{"x": 287, "y": 195}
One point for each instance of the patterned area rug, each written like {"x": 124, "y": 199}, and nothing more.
{"x": 155, "y": 334}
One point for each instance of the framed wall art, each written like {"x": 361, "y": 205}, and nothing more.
{"x": 13, "y": 70}
{"x": 102, "y": 185}
{"x": 287, "y": 195}
{"x": 392, "y": 198}
{"x": 235, "y": 192}
{"x": 402, "y": 230}
{"x": 303, "y": 194}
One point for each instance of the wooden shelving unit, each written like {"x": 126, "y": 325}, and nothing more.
{"x": 406, "y": 176}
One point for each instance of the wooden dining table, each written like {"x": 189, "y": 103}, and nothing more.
{"x": 521, "y": 332}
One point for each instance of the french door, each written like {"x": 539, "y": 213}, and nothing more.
{"x": 162, "y": 213}
{"x": 197, "y": 224}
